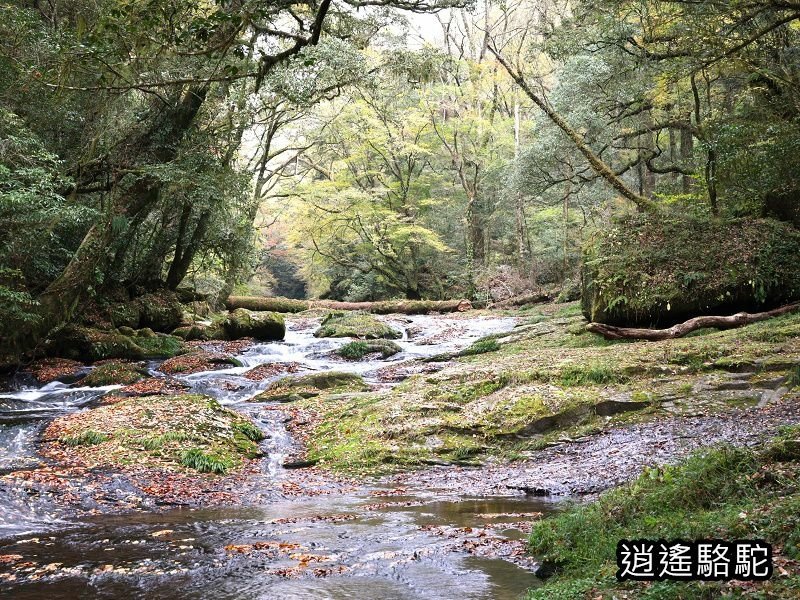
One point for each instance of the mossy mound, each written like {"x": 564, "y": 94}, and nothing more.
{"x": 193, "y": 333}
{"x": 242, "y": 323}
{"x": 308, "y": 386}
{"x": 658, "y": 271}
{"x": 91, "y": 345}
{"x": 161, "y": 311}
{"x": 183, "y": 432}
{"x": 355, "y": 324}
{"x": 197, "y": 362}
{"x": 114, "y": 373}
{"x": 361, "y": 348}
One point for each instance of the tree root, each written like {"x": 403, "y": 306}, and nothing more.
{"x": 611, "y": 332}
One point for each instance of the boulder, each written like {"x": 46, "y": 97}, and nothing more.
{"x": 360, "y": 348}
{"x": 242, "y": 323}
{"x": 114, "y": 373}
{"x": 160, "y": 311}
{"x": 657, "y": 271}
{"x": 90, "y": 345}
{"x": 355, "y": 324}
{"x": 288, "y": 389}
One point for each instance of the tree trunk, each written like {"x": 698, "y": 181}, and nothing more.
{"x": 159, "y": 142}
{"x": 183, "y": 260}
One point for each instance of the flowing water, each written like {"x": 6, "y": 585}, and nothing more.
{"x": 364, "y": 541}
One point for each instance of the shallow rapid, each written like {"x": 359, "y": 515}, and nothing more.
{"x": 365, "y": 541}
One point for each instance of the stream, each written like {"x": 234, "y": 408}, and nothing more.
{"x": 365, "y": 541}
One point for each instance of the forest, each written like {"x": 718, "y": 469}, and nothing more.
{"x": 278, "y": 274}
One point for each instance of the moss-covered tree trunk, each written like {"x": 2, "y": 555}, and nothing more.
{"x": 156, "y": 144}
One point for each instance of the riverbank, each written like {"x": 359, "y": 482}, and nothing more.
{"x": 476, "y": 414}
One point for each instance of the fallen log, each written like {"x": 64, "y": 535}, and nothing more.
{"x": 385, "y": 307}
{"x": 610, "y": 332}
{"x": 522, "y": 300}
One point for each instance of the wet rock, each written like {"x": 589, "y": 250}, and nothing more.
{"x": 299, "y": 464}
{"x": 308, "y": 386}
{"x": 196, "y": 362}
{"x": 355, "y": 324}
{"x": 242, "y": 323}
{"x": 114, "y": 373}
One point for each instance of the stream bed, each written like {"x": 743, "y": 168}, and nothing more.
{"x": 364, "y": 540}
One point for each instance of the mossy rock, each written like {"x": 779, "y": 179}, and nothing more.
{"x": 659, "y": 271}
{"x": 288, "y": 389}
{"x": 114, "y": 373}
{"x": 242, "y": 323}
{"x": 91, "y": 345}
{"x": 160, "y": 311}
{"x": 186, "y": 432}
{"x": 360, "y": 348}
{"x": 355, "y": 324}
{"x": 192, "y": 332}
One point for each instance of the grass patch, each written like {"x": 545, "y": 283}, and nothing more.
{"x": 358, "y": 349}
{"x": 481, "y": 347}
{"x": 205, "y": 462}
{"x": 726, "y": 492}
{"x": 90, "y": 437}
{"x": 589, "y": 374}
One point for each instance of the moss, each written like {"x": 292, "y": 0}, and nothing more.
{"x": 355, "y": 324}
{"x": 91, "y": 345}
{"x": 359, "y": 349}
{"x": 243, "y": 323}
{"x": 307, "y": 386}
{"x": 114, "y": 373}
{"x": 161, "y": 311}
{"x": 722, "y": 493}
{"x": 192, "y": 332}
{"x": 653, "y": 271}
{"x": 481, "y": 347}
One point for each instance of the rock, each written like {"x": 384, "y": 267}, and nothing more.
{"x": 114, "y": 373}
{"x": 193, "y": 332}
{"x": 293, "y": 388}
{"x": 361, "y": 348}
{"x": 242, "y": 323}
{"x": 161, "y": 311}
{"x": 660, "y": 271}
{"x": 196, "y": 362}
{"x": 186, "y": 433}
{"x": 299, "y": 464}
{"x": 355, "y": 324}
{"x": 91, "y": 345}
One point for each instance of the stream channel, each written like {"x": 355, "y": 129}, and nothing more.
{"x": 365, "y": 541}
